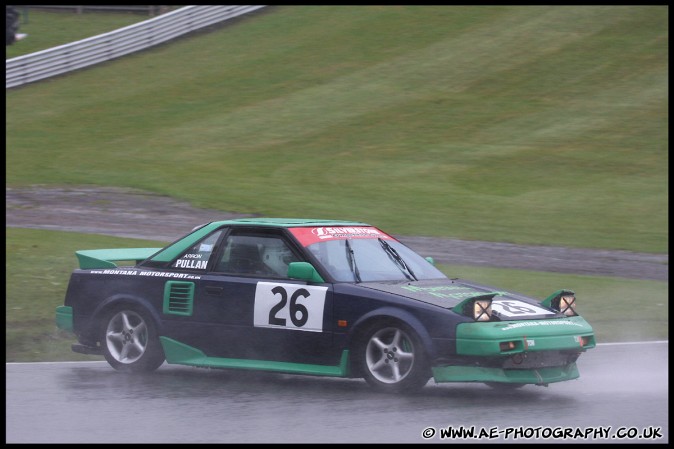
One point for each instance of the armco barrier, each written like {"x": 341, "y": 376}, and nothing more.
{"x": 104, "y": 47}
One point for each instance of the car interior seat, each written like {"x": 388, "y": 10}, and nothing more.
{"x": 245, "y": 258}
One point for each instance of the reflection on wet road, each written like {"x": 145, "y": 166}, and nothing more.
{"x": 88, "y": 402}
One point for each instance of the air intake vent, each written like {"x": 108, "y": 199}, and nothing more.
{"x": 178, "y": 298}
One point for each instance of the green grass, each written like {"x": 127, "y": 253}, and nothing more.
{"x": 39, "y": 265}
{"x": 525, "y": 124}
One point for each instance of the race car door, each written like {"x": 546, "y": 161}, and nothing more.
{"x": 251, "y": 310}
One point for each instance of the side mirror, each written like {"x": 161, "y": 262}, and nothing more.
{"x": 304, "y": 271}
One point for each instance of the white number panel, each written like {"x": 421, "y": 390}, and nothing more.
{"x": 513, "y": 308}
{"x": 289, "y": 306}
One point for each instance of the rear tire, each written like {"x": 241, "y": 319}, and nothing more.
{"x": 392, "y": 358}
{"x": 130, "y": 341}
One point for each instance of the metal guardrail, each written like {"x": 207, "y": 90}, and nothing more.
{"x": 151, "y": 10}
{"x": 104, "y": 47}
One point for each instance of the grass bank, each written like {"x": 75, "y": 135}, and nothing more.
{"x": 525, "y": 124}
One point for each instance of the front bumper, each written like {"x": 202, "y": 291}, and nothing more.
{"x": 540, "y": 368}
{"x": 523, "y": 352}
{"x": 486, "y": 339}
{"x": 539, "y": 376}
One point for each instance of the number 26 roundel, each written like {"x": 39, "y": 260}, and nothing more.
{"x": 289, "y": 306}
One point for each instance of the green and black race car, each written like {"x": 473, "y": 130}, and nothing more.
{"x": 317, "y": 297}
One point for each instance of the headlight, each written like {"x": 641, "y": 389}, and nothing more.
{"x": 563, "y": 301}
{"x": 567, "y": 305}
{"x": 477, "y": 307}
{"x": 482, "y": 309}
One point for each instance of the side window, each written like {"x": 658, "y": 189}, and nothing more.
{"x": 196, "y": 258}
{"x": 267, "y": 256}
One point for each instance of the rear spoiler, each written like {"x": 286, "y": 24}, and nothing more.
{"x": 105, "y": 258}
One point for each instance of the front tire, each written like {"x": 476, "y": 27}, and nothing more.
{"x": 130, "y": 341}
{"x": 392, "y": 359}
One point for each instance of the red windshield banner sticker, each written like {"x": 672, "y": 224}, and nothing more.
{"x": 308, "y": 236}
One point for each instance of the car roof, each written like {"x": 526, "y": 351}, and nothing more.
{"x": 172, "y": 250}
{"x": 287, "y": 222}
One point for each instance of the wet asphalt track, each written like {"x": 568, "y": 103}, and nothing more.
{"x": 621, "y": 386}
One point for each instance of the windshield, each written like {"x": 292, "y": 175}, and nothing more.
{"x": 372, "y": 259}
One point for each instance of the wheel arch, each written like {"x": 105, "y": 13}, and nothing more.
{"x": 391, "y": 315}
{"x": 124, "y": 300}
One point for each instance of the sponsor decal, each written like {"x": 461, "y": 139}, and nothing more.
{"x": 510, "y": 308}
{"x": 506, "y": 308}
{"x": 289, "y": 306}
{"x": 191, "y": 264}
{"x": 449, "y": 291}
{"x": 164, "y": 274}
{"x": 308, "y": 236}
{"x": 123, "y": 272}
{"x": 190, "y": 261}
{"x": 540, "y": 323}
{"x": 206, "y": 247}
